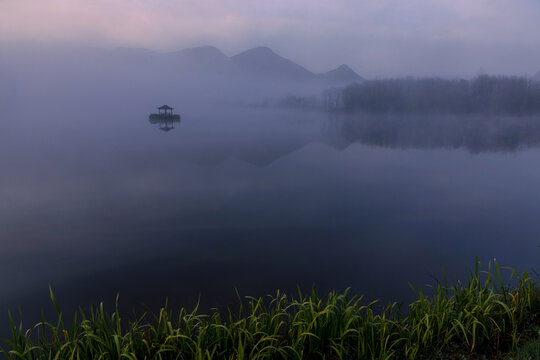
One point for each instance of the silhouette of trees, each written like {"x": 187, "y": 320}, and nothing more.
{"x": 484, "y": 94}
{"x": 332, "y": 99}
{"x": 299, "y": 102}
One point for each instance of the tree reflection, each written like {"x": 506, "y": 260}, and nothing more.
{"x": 474, "y": 133}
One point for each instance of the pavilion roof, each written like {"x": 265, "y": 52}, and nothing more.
{"x": 165, "y": 107}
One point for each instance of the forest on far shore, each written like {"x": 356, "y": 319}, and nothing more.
{"x": 484, "y": 94}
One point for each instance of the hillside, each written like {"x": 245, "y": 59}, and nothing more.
{"x": 263, "y": 62}
{"x": 341, "y": 75}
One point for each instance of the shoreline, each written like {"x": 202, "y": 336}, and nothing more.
{"x": 479, "y": 318}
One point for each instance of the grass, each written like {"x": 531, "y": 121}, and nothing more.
{"x": 477, "y": 319}
{"x": 528, "y": 351}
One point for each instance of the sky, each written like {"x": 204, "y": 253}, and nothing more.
{"x": 377, "y": 38}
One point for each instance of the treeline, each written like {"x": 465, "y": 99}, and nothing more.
{"x": 299, "y": 102}
{"x": 484, "y": 94}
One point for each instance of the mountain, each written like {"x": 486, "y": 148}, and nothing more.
{"x": 263, "y": 62}
{"x": 260, "y": 63}
{"x": 202, "y": 56}
{"x": 202, "y": 60}
{"x": 341, "y": 75}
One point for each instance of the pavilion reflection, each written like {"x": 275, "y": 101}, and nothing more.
{"x": 165, "y": 118}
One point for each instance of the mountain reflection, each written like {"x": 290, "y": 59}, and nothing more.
{"x": 473, "y": 133}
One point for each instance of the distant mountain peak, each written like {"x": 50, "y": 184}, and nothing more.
{"x": 344, "y": 67}
{"x": 262, "y": 49}
{"x": 263, "y": 61}
{"x": 206, "y": 50}
{"x": 341, "y": 74}
{"x": 208, "y": 47}
{"x": 209, "y": 58}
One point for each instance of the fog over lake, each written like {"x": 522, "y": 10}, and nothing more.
{"x": 242, "y": 194}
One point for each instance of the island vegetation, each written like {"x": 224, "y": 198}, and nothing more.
{"x": 486, "y": 317}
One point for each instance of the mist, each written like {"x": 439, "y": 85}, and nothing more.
{"x": 379, "y": 39}
{"x": 329, "y": 144}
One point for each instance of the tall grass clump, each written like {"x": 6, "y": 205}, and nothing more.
{"x": 482, "y": 316}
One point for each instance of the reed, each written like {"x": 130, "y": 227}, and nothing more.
{"x": 481, "y": 316}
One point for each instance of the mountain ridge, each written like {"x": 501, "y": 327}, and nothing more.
{"x": 341, "y": 74}
{"x": 201, "y": 57}
{"x": 259, "y": 62}
{"x": 263, "y": 61}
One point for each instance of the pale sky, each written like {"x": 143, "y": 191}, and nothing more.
{"x": 375, "y": 37}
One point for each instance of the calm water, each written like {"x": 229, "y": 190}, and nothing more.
{"x": 99, "y": 202}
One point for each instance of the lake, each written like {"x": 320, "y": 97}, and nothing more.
{"x": 97, "y": 201}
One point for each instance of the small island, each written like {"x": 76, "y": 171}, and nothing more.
{"x": 165, "y": 118}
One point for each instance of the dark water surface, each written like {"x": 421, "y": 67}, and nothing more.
{"x": 94, "y": 203}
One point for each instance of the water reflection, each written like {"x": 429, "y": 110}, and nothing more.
{"x": 474, "y": 133}
{"x": 165, "y": 118}
{"x": 99, "y": 213}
